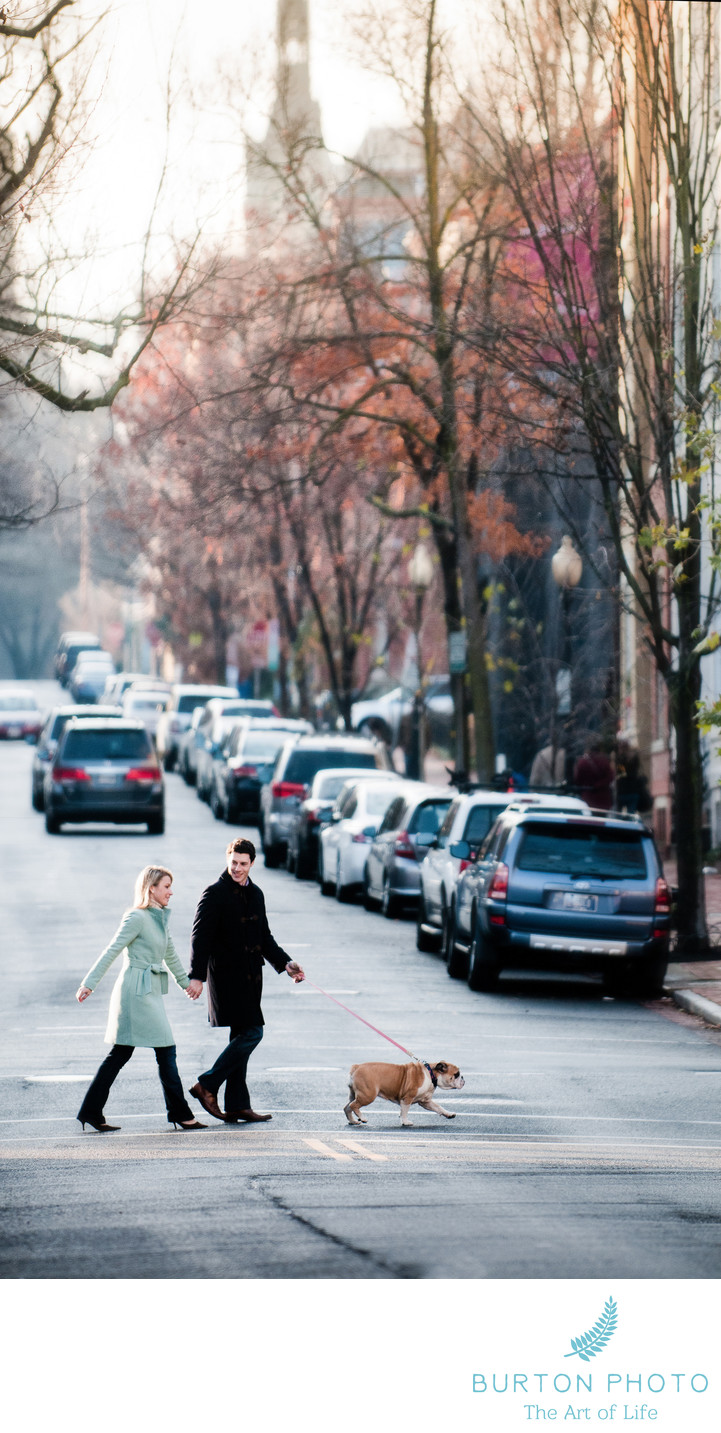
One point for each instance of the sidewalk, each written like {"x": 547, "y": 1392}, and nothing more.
{"x": 696, "y": 985}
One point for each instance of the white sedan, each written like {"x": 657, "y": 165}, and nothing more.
{"x": 345, "y": 842}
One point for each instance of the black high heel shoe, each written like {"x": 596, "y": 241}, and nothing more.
{"x": 101, "y": 1126}
{"x": 187, "y": 1124}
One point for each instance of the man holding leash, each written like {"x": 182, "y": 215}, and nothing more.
{"x": 231, "y": 940}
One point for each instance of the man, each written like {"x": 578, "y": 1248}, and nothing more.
{"x": 230, "y": 941}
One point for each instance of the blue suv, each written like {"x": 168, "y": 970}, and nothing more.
{"x": 569, "y": 891}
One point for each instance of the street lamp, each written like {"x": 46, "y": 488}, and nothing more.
{"x": 567, "y": 569}
{"x": 420, "y": 572}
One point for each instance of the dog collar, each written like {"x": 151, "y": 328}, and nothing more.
{"x": 432, "y": 1073}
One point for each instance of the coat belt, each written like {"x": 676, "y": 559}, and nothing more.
{"x": 146, "y": 973}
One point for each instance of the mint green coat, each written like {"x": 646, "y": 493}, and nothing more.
{"x": 137, "y": 1014}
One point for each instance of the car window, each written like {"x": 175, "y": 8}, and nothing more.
{"x": 261, "y": 748}
{"x": 479, "y": 822}
{"x": 444, "y": 829}
{"x": 19, "y": 703}
{"x": 428, "y": 817}
{"x": 376, "y": 800}
{"x": 144, "y": 704}
{"x": 105, "y": 745}
{"x": 303, "y": 765}
{"x": 350, "y": 805}
{"x": 329, "y": 787}
{"x": 390, "y": 820}
{"x": 190, "y": 700}
{"x": 582, "y": 851}
{"x": 490, "y": 841}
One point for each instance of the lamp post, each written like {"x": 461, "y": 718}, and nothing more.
{"x": 420, "y": 572}
{"x": 567, "y": 569}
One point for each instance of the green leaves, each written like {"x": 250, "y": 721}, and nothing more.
{"x": 587, "y": 1345}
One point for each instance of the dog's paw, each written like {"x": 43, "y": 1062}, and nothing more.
{"x": 361, "y": 1120}
{"x": 450, "y": 1117}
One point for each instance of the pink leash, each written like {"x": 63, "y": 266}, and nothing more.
{"x": 374, "y": 1028}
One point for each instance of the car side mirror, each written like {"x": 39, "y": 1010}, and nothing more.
{"x": 325, "y": 813}
{"x": 370, "y": 831}
{"x": 461, "y": 851}
{"x": 32, "y": 738}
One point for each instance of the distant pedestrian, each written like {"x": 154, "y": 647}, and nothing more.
{"x": 632, "y": 792}
{"x": 137, "y": 1015}
{"x": 593, "y": 777}
{"x": 549, "y": 767}
{"x": 231, "y": 940}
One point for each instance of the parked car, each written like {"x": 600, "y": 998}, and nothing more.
{"x": 386, "y": 717}
{"x": 213, "y": 729}
{"x": 80, "y": 641}
{"x": 68, "y": 657}
{"x": 118, "y": 684}
{"x": 186, "y": 748}
{"x": 50, "y": 735}
{"x": 242, "y": 768}
{"x": 357, "y": 813}
{"x": 89, "y": 675}
{"x": 297, "y": 763}
{"x": 105, "y": 770}
{"x": 579, "y": 892}
{"x": 145, "y": 704}
{"x": 411, "y": 823}
{"x": 184, "y": 698}
{"x": 20, "y": 715}
{"x": 310, "y": 817}
{"x": 469, "y": 818}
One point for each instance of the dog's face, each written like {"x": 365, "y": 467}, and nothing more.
{"x": 449, "y": 1076}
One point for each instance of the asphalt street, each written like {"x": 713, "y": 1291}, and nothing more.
{"x": 586, "y": 1143}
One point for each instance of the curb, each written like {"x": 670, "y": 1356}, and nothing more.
{"x": 697, "y": 1005}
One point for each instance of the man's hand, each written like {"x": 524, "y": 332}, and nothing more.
{"x": 82, "y": 993}
{"x": 294, "y": 971}
{"x": 194, "y": 989}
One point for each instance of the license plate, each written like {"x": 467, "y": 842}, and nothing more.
{"x": 14, "y": 731}
{"x": 574, "y": 901}
{"x": 109, "y": 779}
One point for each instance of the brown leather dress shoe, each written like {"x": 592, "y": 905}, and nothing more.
{"x": 247, "y": 1116}
{"x": 208, "y": 1101}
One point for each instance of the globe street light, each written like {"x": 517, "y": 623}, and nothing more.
{"x": 567, "y": 569}
{"x": 420, "y": 572}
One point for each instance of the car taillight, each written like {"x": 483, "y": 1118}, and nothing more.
{"x": 288, "y": 788}
{"x": 245, "y": 770}
{"x": 464, "y": 866}
{"x": 70, "y": 773}
{"x": 404, "y": 845}
{"x": 143, "y": 773}
{"x": 498, "y": 889}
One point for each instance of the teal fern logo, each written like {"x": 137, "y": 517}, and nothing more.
{"x": 587, "y": 1345}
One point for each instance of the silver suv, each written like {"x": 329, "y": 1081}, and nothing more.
{"x": 297, "y": 763}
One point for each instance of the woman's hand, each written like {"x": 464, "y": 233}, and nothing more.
{"x": 194, "y": 989}
{"x": 82, "y": 993}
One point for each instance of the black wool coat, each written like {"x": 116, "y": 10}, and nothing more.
{"x": 231, "y": 939}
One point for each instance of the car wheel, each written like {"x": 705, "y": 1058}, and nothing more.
{"x": 390, "y": 905}
{"x": 216, "y": 805}
{"x": 456, "y": 960}
{"x": 169, "y": 761}
{"x": 424, "y": 940}
{"x": 290, "y": 861}
{"x": 448, "y": 940}
{"x": 38, "y": 801}
{"x": 303, "y": 867}
{"x": 156, "y": 825}
{"x": 369, "y": 901}
{"x": 271, "y": 855}
{"x": 52, "y": 825}
{"x": 231, "y": 814}
{"x": 483, "y": 964}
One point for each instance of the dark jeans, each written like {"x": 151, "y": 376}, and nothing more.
{"x": 231, "y": 1066}
{"x": 175, "y": 1101}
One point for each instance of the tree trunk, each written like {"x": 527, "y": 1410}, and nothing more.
{"x": 688, "y": 809}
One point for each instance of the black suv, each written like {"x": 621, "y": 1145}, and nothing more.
{"x": 105, "y": 770}
{"x": 566, "y": 891}
{"x": 298, "y": 761}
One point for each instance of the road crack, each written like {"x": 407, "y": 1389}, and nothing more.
{"x": 396, "y": 1271}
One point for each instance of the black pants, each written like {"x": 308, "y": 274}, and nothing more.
{"x": 175, "y": 1101}
{"x": 231, "y": 1066}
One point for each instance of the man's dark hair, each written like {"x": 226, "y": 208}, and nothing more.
{"x": 242, "y": 847}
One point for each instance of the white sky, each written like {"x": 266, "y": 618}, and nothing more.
{"x": 222, "y": 51}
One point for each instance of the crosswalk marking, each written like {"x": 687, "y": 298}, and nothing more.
{"x": 360, "y": 1149}
{"x": 321, "y": 1148}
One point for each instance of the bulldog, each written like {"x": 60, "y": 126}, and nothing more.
{"x": 404, "y": 1085}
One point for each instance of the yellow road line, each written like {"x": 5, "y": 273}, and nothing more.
{"x": 321, "y": 1148}
{"x": 360, "y": 1149}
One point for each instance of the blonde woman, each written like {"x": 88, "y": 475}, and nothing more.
{"x": 137, "y": 1015}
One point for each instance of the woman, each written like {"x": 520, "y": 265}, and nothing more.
{"x": 137, "y": 1015}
